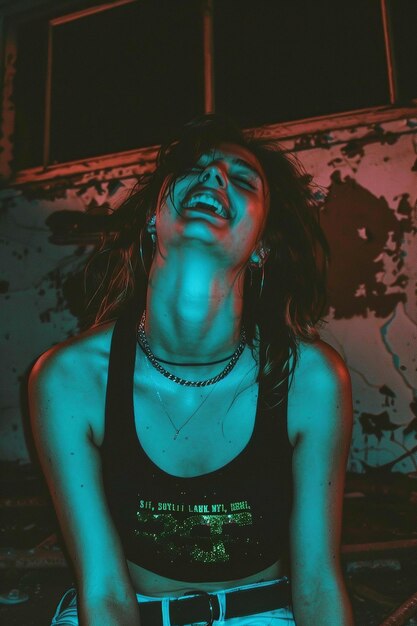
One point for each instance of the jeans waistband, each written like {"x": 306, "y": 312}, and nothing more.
{"x": 144, "y": 598}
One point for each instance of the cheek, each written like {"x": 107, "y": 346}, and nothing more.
{"x": 247, "y": 235}
{"x": 171, "y": 197}
{"x": 168, "y": 210}
{"x": 256, "y": 218}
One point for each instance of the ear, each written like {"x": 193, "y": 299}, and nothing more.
{"x": 259, "y": 256}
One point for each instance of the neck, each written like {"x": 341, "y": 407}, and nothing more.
{"x": 194, "y": 308}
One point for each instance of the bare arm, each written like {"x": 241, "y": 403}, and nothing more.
{"x": 322, "y": 413}
{"x": 62, "y": 392}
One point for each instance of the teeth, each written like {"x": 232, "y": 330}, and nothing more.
{"x": 206, "y": 199}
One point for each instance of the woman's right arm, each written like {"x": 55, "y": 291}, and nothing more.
{"x": 62, "y": 393}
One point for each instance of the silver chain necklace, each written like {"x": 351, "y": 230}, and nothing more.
{"x": 174, "y": 426}
{"x": 144, "y": 345}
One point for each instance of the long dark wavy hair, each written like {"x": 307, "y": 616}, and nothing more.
{"x": 293, "y": 297}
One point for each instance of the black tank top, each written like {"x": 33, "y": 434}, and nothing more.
{"x": 224, "y": 525}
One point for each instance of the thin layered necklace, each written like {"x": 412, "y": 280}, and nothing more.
{"x": 156, "y": 362}
{"x": 177, "y": 429}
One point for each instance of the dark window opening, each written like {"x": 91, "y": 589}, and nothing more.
{"x": 404, "y": 31}
{"x": 29, "y": 93}
{"x": 126, "y": 77}
{"x": 121, "y": 79}
{"x": 291, "y": 59}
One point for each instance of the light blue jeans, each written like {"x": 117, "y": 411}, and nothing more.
{"x": 66, "y": 612}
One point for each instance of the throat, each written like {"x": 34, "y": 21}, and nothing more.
{"x": 193, "y": 336}
{"x": 193, "y": 308}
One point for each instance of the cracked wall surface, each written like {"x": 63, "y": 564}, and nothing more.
{"x": 370, "y": 218}
{"x": 367, "y": 176}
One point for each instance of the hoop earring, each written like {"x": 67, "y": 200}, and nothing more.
{"x": 141, "y": 250}
{"x": 262, "y": 280}
{"x": 262, "y": 268}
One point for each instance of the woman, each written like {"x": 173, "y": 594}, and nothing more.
{"x": 195, "y": 449}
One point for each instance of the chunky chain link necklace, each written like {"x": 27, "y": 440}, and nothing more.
{"x": 144, "y": 345}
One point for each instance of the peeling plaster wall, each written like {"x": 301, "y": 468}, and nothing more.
{"x": 370, "y": 218}
{"x": 368, "y": 176}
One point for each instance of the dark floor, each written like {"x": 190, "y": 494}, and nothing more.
{"x": 381, "y": 510}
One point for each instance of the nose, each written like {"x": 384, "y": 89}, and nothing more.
{"x": 213, "y": 172}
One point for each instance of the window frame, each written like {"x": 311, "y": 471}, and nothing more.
{"x": 125, "y": 161}
{"x": 52, "y": 23}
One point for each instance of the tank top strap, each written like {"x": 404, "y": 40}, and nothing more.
{"x": 119, "y": 392}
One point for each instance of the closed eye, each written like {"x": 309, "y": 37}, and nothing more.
{"x": 240, "y": 179}
{"x": 245, "y": 181}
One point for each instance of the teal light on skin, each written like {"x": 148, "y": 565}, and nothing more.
{"x": 194, "y": 300}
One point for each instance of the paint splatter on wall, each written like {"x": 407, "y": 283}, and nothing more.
{"x": 369, "y": 176}
{"x": 370, "y": 218}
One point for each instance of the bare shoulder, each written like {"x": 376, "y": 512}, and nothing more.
{"x": 70, "y": 380}
{"x": 320, "y": 394}
{"x": 74, "y": 357}
{"x": 320, "y": 364}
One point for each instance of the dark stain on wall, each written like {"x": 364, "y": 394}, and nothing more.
{"x": 377, "y": 424}
{"x": 360, "y": 227}
{"x": 323, "y": 139}
{"x": 356, "y": 147}
{"x": 389, "y": 395}
{"x": 57, "y": 188}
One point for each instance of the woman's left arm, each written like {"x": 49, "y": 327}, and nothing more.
{"x": 320, "y": 418}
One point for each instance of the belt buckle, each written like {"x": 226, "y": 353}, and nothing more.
{"x": 210, "y": 598}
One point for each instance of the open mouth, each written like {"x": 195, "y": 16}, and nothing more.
{"x": 206, "y": 202}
